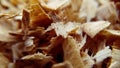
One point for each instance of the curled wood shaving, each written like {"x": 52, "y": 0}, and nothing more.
{"x": 72, "y": 53}
{"x": 60, "y": 26}
{"x": 109, "y": 14}
{"x": 115, "y": 54}
{"x": 110, "y": 32}
{"x": 54, "y": 4}
{"x": 114, "y": 65}
{"x": 103, "y": 54}
{"x": 115, "y": 59}
{"x": 93, "y": 28}
{"x": 85, "y": 10}
{"x": 38, "y": 16}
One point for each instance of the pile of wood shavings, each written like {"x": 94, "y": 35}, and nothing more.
{"x": 59, "y": 34}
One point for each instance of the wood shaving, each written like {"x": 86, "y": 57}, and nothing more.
{"x": 59, "y": 33}
{"x": 71, "y": 53}
{"x": 92, "y": 28}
